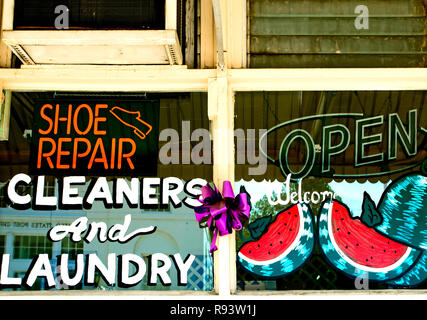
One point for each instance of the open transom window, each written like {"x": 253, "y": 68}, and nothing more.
{"x": 94, "y": 32}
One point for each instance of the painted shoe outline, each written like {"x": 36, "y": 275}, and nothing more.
{"x": 115, "y": 111}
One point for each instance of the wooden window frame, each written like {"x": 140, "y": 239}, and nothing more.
{"x": 122, "y": 46}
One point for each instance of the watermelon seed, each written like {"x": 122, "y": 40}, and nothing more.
{"x": 290, "y": 229}
{"x": 366, "y": 259}
{"x": 357, "y": 244}
{"x": 281, "y": 242}
{"x": 271, "y": 244}
{"x": 269, "y": 252}
{"x": 348, "y": 232}
{"x": 258, "y": 246}
{"x": 372, "y": 247}
{"x": 346, "y": 247}
{"x": 372, "y": 258}
{"x": 338, "y": 229}
{"x": 384, "y": 250}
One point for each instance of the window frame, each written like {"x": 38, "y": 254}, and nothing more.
{"x": 161, "y": 46}
{"x": 221, "y": 88}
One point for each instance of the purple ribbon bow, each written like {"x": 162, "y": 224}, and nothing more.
{"x": 222, "y": 213}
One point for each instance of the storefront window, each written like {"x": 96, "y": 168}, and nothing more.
{"x": 136, "y": 163}
{"x": 27, "y": 247}
{"x": 338, "y": 188}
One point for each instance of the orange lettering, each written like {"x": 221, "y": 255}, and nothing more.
{"x": 98, "y": 145}
{"x": 63, "y": 119}
{"x": 46, "y": 155}
{"x": 76, "y": 115}
{"x": 70, "y": 110}
{"x": 121, "y": 156}
{"x": 113, "y": 152}
{"x": 76, "y": 154}
{"x": 55, "y": 129}
{"x": 99, "y": 119}
{"x": 45, "y": 117}
{"x": 62, "y": 153}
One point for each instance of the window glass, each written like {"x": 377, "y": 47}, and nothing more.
{"x": 113, "y": 180}
{"x": 337, "y": 183}
{"x": 101, "y": 14}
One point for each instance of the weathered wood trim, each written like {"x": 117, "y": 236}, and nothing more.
{"x": 208, "y": 56}
{"x": 5, "y": 52}
{"x": 8, "y": 14}
{"x": 90, "y": 37}
{"x": 5, "y": 102}
{"x": 18, "y": 40}
{"x": 171, "y": 14}
{"x": 176, "y": 78}
{"x": 190, "y": 34}
{"x": 221, "y": 112}
{"x": 328, "y": 79}
{"x": 106, "y": 78}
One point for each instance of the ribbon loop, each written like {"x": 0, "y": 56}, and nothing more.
{"x": 222, "y": 213}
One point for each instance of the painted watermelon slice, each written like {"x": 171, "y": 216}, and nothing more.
{"x": 284, "y": 247}
{"x": 357, "y": 250}
{"x": 415, "y": 276}
{"x": 403, "y": 209}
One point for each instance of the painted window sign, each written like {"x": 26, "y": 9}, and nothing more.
{"x": 344, "y": 192}
{"x": 87, "y": 201}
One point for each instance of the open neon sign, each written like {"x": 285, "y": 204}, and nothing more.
{"x": 407, "y": 136}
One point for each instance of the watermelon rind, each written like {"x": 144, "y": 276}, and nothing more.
{"x": 344, "y": 264}
{"x": 415, "y": 276}
{"x": 403, "y": 207}
{"x": 292, "y": 258}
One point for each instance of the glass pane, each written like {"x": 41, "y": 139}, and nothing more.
{"x": 337, "y": 183}
{"x": 138, "y": 169}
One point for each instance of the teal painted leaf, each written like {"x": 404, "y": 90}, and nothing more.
{"x": 258, "y": 227}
